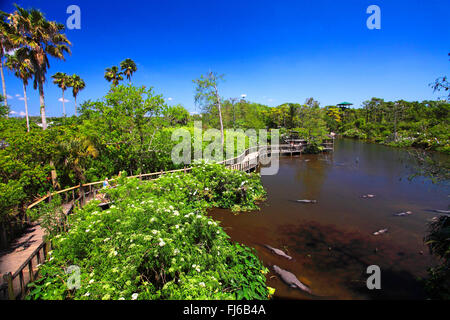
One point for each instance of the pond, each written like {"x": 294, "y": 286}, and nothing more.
{"x": 332, "y": 241}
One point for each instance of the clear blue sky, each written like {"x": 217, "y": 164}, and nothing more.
{"x": 272, "y": 51}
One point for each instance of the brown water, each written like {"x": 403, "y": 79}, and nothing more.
{"x": 332, "y": 242}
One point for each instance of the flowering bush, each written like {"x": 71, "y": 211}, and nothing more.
{"x": 155, "y": 242}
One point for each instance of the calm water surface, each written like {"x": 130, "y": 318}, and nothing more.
{"x": 332, "y": 242}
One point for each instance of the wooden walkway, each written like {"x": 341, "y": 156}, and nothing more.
{"x": 19, "y": 252}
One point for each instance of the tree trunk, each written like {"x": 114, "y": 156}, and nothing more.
{"x": 41, "y": 99}
{"x": 220, "y": 114}
{"x": 26, "y": 106}
{"x": 64, "y": 107}
{"x": 3, "y": 83}
{"x": 75, "y": 105}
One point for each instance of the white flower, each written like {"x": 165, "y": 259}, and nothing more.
{"x": 134, "y": 296}
{"x": 91, "y": 281}
{"x": 176, "y": 251}
{"x": 202, "y": 284}
{"x": 106, "y": 239}
{"x": 154, "y": 231}
{"x": 121, "y": 298}
{"x": 87, "y": 230}
{"x": 87, "y": 294}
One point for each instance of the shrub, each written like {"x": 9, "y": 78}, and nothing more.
{"x": 156, "y": 242}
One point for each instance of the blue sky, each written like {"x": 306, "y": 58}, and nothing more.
{"x": 272, "y": 51}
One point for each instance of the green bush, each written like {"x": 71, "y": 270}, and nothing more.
{"x": 156, "y": 242}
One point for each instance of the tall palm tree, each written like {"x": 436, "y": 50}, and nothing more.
{"x": 62, "y": 80}
{"x": 20, "y": 64}
{"x": 77, "y": 85}
{"x": 113, "y": 75}
{"x": 44, "y": 38}
{"x": 5, "y": 45}
{"x": 128, "y": 67}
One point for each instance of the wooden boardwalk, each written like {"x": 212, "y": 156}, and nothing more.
{"x": 19, "y": 252}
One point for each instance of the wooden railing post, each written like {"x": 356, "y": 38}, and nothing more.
{"x": 9, "y": 281}
{"x": 82, "y": 195}
{"x": 30, "y": 270}
{"x": 22, "y": 284}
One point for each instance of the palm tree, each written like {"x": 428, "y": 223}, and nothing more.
{"x": 113, "y": 74}
{"x": 62, "y": 80}
{"x": 44, "y": 38}
{"x": 128, "y": 68}
{"x": 5, "y": 46}
{"x": 77, "y": 85}
{"x": 73, "y": 155}
{"x": 20, "y": 64}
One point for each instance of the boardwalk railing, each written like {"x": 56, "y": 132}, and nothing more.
{"x": 78, "y": 196}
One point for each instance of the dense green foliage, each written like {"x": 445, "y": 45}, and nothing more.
{"x": 155, "y": 242}
{"x": 419, "y": 124}
{"x": 438, "y": 240}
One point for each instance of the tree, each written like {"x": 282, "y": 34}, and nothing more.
{"x": 62, "y": 80}
{"x": 5, "y": 45}
{"x": 77, "y": 85}
{"x": 73, "y": 155}
{"x": 128, "y": 67}
{"x": 43, "y": 38}
{"x": 4, "y": 110}
{"x": 176, "y": 115}
{"x": 20, "y": 64}
{"x": 207, "y": 95}
{"x": 442, "y": 83}
{"x": 113, "y": 75}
